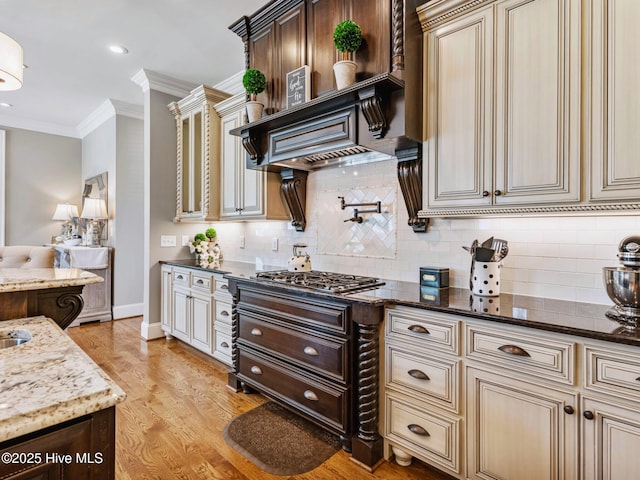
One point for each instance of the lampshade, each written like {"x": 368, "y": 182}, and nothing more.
{"x": 94, "y": 208}
{"x": 11, "y": 66}
{"x": 65, "y": 211}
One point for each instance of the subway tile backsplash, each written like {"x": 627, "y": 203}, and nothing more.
{"x": 555, "y": 257}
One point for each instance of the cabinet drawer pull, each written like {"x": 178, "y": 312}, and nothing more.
{"x": 224, "y": 345}
{"x": 257, "y": 370}
{"x": 224, "y": 313}
{"x": 588, "y": 415}
{"x": 419, "y": 374}
{"x": 199, "y": 281}
{"x": 179, "y": 277}
{"x": 514, "y": 350}
{"x": 256, "y": 331}
{"x": 309, "y": 395}
{"x": 419, "y": 329}
{"x": 310, "y": 351}
{"x": 638, "y": 379}
{"x": 418, "y": 430}
{"x": 224, "y": 287}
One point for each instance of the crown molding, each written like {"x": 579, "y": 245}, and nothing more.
{"x": 104, "y": 112}
{"x": 150, "y": 80}
{"x": 231, "y": 85}
{"x": 38, "y": 126}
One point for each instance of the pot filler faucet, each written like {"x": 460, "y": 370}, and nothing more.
{"x": 356, "y": 213}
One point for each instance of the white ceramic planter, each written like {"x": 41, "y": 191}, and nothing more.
{"x": 254, "y": 111}
{"x": 345, "y": 72}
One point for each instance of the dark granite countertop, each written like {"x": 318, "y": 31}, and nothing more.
{"x": 573, "y": 318}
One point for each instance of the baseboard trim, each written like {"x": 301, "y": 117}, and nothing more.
{"x": 151, "y": 331}
{"x": 126, "y": 311}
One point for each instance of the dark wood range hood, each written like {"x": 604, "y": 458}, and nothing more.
{"x": 378, "y": 118}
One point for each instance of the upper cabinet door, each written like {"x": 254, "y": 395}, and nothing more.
{"x": 613, "y": 66}
{"x": 458, "y": 111}
{"x": 324, "y": 15}
{"x": 537, "y": 101}
{"x": 262, "y": 48}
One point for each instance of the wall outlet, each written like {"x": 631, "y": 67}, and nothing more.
{"x": 274, "y": 244}
{"x": 241, "y": 241}
{"x": 167, "y": 240}
{"x": 185, "y": 240}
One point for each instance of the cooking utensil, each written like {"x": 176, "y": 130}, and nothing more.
{"x": 488, "y": 243}
{"x": 484, "y": 254}
{"x": 501, "y": 248}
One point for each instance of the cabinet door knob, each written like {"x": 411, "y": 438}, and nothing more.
{"x": 309, "y": 395}
{"x": 418, "y": 430}
{"x": 419, "y": 374}
{"x": 588, "y": 415}
{"x": 256, "y": 331}
{"x": 224, "y": 345}
{"x": 224, "y": 313}
{"x": 568, "y": 409}
{"x": 497, "y": 193}
{"x": 514, "y": 350}
{"x": 485, "y": 193}
{"x": 419, "y": 329}
{"x": 310, "y": 351}
{"x": 255, "y": 369}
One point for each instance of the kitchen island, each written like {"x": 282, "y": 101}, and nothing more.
{"x": 57, "y": 407}
{"x": 52, "y": 292}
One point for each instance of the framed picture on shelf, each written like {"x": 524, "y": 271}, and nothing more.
{"x": 298, "y": 86}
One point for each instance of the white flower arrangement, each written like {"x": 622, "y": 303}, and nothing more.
{"x": 208, "y": 254}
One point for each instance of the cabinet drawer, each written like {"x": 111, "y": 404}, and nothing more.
{"x": 202, "y": 282}
{"x": 318, "y": 400}
{"x": 222, "y": 286}
{"x": 423, "y": 329}
{"x": 323, "y": 355}
{"x": 223, "y": 312}
{"x": 612, "y": 371}
{"x": 424, "y": 377}
{"x": 424, "y": 432}
{"x": 181, "y": 277}
{"x": 531, "y": 354}
{"x": 222, "y": 350}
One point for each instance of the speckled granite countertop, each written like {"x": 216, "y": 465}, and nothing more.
{"x": 21, "y": 279}
{"x": 573, "y": 318}
{"x": 48, "y": 380}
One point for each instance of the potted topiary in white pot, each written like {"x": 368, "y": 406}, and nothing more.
{"x": 254, "y": 82}
{"x": 347, "y": 37}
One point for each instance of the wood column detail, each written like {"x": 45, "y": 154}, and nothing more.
{"x": 410, "y": 179}
{"x": 294, "y": 191}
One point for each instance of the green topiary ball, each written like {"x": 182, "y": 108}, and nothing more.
{"x": 199, "y": 237}
{"x": 347, "y": 36}
{"x": 210, "y": 233}
{"x": 254, "y": 81}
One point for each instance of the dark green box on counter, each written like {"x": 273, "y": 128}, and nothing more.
{"x": 434, "y": 277}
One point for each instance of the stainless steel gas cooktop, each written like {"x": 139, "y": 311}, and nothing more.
{"x": 321, "y": 281}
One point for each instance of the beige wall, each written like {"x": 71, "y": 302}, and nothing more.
{"x": 42, "y": 170}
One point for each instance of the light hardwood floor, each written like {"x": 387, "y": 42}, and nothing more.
{"x": 170, "y": 426}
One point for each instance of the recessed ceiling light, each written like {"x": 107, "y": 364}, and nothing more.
{"x": 119, "y": 49}
{"x": 4, "y": 104}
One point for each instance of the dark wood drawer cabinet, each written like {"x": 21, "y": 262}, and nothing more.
{"x": 324, "y": 355}
{"x": 80, "y": 449}
{"x": 324, "y": 402}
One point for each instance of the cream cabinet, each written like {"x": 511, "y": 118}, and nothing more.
{"x": 195, "y": 307}
{"x": 198, "y": 155}
{"x": 483, "y": 400}
{"x": 613, "y": 66}
{"x": 515, "y": 62}
{"x": 245, "y": 193}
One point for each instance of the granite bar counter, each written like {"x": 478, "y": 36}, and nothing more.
{"x": 57, "y": 407}
{"x": 52, "y": 292}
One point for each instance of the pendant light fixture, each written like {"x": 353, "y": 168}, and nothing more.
{"x": 11, "y": 65}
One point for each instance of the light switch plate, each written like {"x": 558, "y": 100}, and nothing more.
{"x": 185, "y": 240}
{"x": 274, "y": 244}
{"x": 167, "y": 240}
{"x": 242, "y": 241}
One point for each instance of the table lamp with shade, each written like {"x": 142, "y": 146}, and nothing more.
{"x": 94, "y": 210}
{"x": 66, "y": 212}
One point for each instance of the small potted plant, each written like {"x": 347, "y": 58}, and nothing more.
{"x": 347, "y": 37}
{"x": 254, "y": 82}
{"x": 210, "y": 233}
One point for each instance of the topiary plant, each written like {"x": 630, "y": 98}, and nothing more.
{"x": 210, "y": 233}
{"x": 347, "y": 37}
{"x": 254, "y": 82}
{"x": 199, "y": 237}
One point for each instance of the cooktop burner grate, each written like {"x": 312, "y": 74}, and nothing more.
{"x": 321, "y": 281}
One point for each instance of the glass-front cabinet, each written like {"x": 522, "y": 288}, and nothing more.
{"x": 198, "y": 155}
